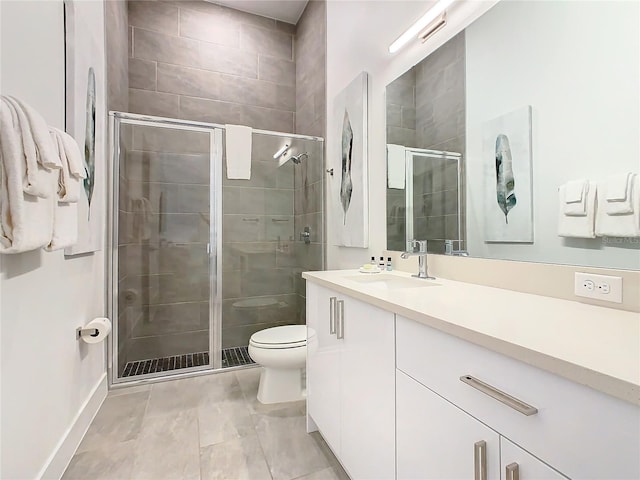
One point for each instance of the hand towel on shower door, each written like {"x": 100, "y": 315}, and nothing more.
{"x": 238, "y": 143}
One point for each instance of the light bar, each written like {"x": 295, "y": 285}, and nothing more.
{"x": 281, "y": 151}
{"x": 414, "y": 29}
{"x": 434, "y": 27}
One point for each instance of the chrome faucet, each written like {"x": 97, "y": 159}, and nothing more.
{"x": 419, "y": 249}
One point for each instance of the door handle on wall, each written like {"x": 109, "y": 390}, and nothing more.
{"x": 340, "y": 328}
{"x": 480, "y": 460}
{"x": 332, "y": 315}
{"x": 512, "y": 471}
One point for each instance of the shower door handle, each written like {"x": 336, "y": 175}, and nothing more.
{"x": 332, "y": 315}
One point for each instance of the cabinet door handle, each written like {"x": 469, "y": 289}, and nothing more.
{"x": 340, "y": 329}
{"x": 332, "y": 315}
{"x": 512, "y": 471}
{"x": 480, "y": 460}
{"x": 493, "y": 392}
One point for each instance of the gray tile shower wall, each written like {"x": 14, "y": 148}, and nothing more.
{"x": 201, "y": 61}
{"x": 401, "y": 110}
{"x": 440, "y": 125}
{"x": 310, "y": 54}
{"x": 116, "y": 27}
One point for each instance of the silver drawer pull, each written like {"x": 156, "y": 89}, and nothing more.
{"x": 512, "y": 471}
{"x": 340, "y": 328}
{"x": 520, "y": 406}
{"x": 480, "y": 460}
{"x": 332, "y": 315}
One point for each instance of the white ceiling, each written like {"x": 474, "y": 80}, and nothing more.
{"x": 288, "y": 11}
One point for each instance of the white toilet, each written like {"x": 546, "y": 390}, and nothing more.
{"x": 282, "y": 352}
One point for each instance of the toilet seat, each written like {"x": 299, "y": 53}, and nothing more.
{"x": 285, "y": 337}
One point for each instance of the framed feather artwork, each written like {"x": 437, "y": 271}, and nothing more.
{"x": 506, "y": 152}
{"x": 85, "y": 114}
{"x": 349, "y": 186}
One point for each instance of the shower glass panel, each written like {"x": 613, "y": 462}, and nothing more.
{"x": 162, "y": 236}
{"x": 272, "y": 231}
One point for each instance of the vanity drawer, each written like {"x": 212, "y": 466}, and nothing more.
{"x": 579, "y": 431}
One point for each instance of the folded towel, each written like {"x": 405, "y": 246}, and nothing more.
{"x": 40, "y": 130}
{"x": 619, "y": 207}
{"x": 578, "y": 226}
{"x": 69, "y": 185}
{"x": 575, "y": 190}
{"x": 396, "y": 166}
{"x": 238, "y": 145}
{"x": 575, "y": 208}
{"x": 623, "y": 225}
{"x": 16, "y": 124}
{"x": 74, "y": 157}
{"x": 65, "y": 226}
{"x": 26, "y": 221}
{"x": 617, "y": 187}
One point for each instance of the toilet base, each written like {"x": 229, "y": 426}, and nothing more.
{"x": 278, "y": 385}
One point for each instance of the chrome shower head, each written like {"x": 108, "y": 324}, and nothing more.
{"x": 298, "y": 158}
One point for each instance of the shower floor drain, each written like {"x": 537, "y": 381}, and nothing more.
{"x": 231, "y": 357}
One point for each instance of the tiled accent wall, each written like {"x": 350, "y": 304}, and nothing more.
{"x": 440, "y": 125}
{"x": 426, "y": 109}
{"x": 401, "y": 110}
{"x": 310, "y": 55}
{"x": 117, "y": 47}
{"x": 259, "y": 257}
{"x": 163, "y": 236}
{"x": 201, "y": 61}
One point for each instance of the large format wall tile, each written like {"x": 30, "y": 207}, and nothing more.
{"x": 153, "y": 15}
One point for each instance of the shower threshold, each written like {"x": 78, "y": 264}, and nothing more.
{"x": 231, "y": 357}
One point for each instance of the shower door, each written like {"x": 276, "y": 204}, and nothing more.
{"x": 165, "y": 239}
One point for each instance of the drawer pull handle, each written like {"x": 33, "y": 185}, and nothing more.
{"x": 519, "y": 405}
{"x": 512, "y": 471}
{"x": 332, "y": 315}
{"x": 480, "y": 460}
{"x": 340, "y": 329}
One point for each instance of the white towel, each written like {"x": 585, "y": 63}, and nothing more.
{"x": 26, "y": 221}
{"x": 69, "y": 184}
{"x": 625, "y": 205}
{"x": 238, "y": 142}
{"x": 578, "y": 226}
{"x": 617, "y": 187}
{"x": 40, "y": 130}
{"x": 35, "y": 179}
{"x": 65, "y": 226}
{"x": 396, "y": 166}
{"x": 575, "y": 200}
{"x": 624, "y": 225}
{"x": 72, "y": 150}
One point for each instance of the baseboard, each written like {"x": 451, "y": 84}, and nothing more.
{"x": 66, "y": 448}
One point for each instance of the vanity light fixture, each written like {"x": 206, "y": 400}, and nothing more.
{"x": 433, "y": 27}
{"x": 420, "y": 25}
{"x": 281, "y": 151}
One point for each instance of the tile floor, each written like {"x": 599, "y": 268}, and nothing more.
{"x": 207, "y": 427}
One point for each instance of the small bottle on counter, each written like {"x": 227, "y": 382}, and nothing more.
{"x": 373, "y": 261}
{"x": 389, "y": 266}
{"x": 381, "y": 264}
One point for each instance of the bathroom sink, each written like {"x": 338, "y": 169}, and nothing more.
{"x": 390, "y": 282}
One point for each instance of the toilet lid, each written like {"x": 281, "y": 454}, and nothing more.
{"x": 288, "y": 336}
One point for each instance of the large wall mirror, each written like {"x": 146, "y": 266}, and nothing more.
{"x": 484, "y": 131}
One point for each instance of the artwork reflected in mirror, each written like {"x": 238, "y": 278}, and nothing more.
{"x": 533, "y": 96}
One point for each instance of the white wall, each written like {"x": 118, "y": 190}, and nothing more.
{"x": 358, "y": 36}
{"x": 577, "y": 64}
{"x": 46, "y": 376}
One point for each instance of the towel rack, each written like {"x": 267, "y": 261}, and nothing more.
{"x": 279, "y": 219}
{"x": 250, "y": 219}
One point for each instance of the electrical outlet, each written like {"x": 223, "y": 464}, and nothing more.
{"x": 600, "y": 287}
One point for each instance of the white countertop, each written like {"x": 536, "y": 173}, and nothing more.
{"x": 594, "y": 346}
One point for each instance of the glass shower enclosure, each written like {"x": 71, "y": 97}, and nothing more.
{"x": 198, "y": 262}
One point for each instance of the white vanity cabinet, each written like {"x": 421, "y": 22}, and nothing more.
{"x": 516, "y": 464}
{"x": 351, "y": 380}
{"x": 578, "y": 431}
{"x": 437, "y": 440}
